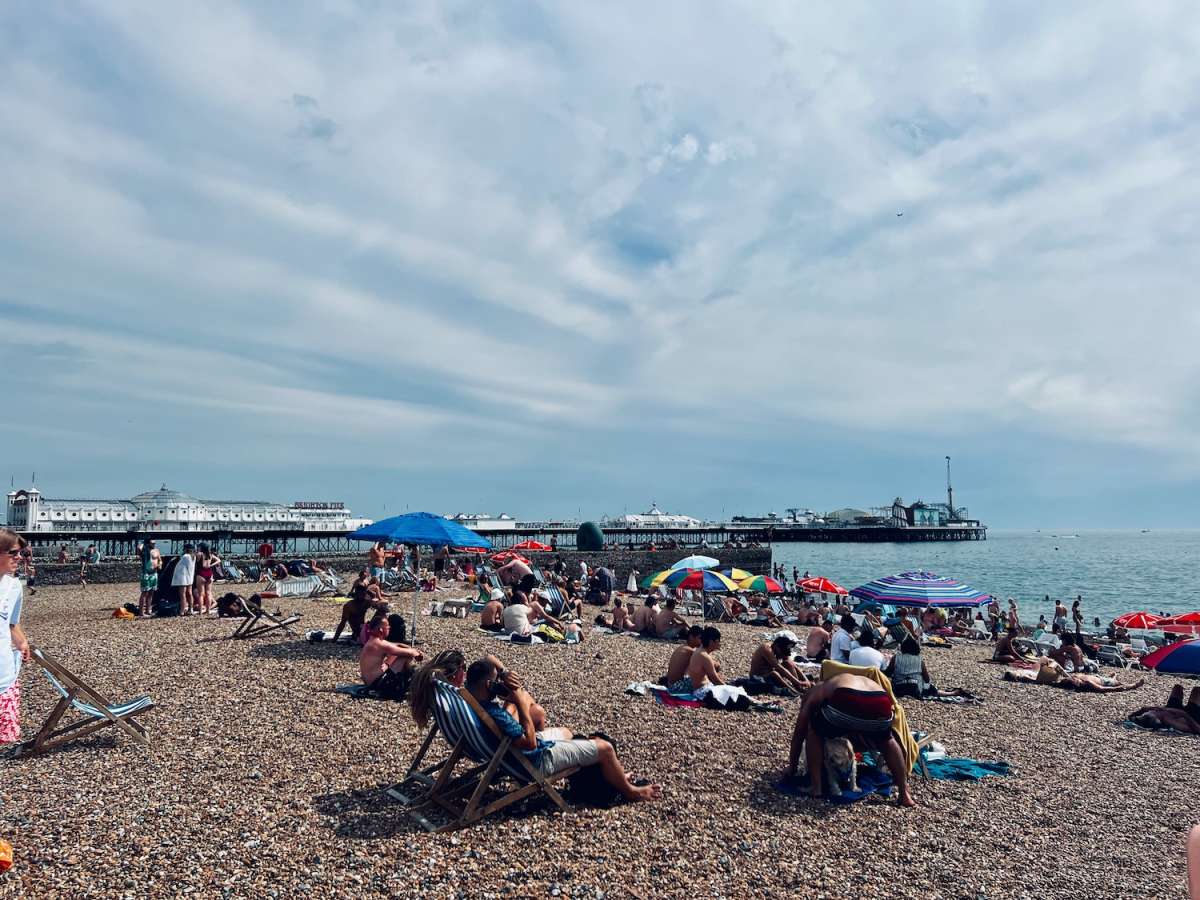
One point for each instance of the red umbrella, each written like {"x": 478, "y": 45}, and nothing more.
{"x": 1185, "y": 623}
{"x": 819, "y": 585}
{"x": 505, "y": 556}
{"x": 535, "y": 546}
{"x": 1141, "y": 619}
{"x": 469, "y": 550}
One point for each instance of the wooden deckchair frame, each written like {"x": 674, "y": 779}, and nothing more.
{"x": 51, "y": 735}
{"x": 446, "y": 788}
{"x": 254, "y": 626}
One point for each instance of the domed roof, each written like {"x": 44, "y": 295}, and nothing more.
{"x": 163, "y": 496}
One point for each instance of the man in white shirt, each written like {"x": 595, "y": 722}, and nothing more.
{"x": 865, "y": 653}
{"x": 843, "y": 641}
{"x": 181, "y": 580}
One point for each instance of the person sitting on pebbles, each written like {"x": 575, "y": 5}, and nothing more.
{"x": 386, "y": 667}
{"x": 682, "y": 655}
{"x": 645, "y": 615}
{"x": 667, "y": 623}
{"x": 491, "y": 618}
{"x": 773, "y": 662}
{"x": 364, "y": 595}
{"x": 702, "y": 667}
{"x": 1006, "y": 651}
{"x": 854, "y": 707}
{"x": 816, "y": 648}
{"x": 550, "y": 750}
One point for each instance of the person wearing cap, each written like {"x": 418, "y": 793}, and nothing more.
{"x": 843, "y": 640}
{"x": 773, "y": 662}
{"x": 492, "y": 616}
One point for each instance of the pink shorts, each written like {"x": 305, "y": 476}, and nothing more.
{"x": 10, "y": 714}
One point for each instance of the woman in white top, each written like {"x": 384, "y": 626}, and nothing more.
{"x": 843, "y": 641}
{"x": 14, "y": 646}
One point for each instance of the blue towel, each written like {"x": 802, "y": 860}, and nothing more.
{"x": 956, "y": 768}
{"x": 870, "y": 781}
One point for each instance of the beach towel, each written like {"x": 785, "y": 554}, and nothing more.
{"x": 962, "y": 768}
{"x": 667, "y": 699}
{"x": 514, "y": 638}
{"x": 357, "y": 691}
{"x": 871, "y": 780}
{"x": 900, "y": 729}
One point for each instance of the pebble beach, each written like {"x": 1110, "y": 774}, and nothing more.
{"x": 261, "y": 781}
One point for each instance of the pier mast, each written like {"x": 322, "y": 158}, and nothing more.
{"x": 950, "y": 491}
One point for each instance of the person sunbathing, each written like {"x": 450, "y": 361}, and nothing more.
{"x": 491, "y": 617}
{"x": 1051, "y": 673}
{"x": 682, "y": 655}
{"x": 816, "y": 648}
{"x": 667, "y": 623}
{"x": 620, "y": 617}
{"x": 702, "y": 667}
{"x": 364, "y": 595}
{"x": 386, "y": 667}
{"x": 1006, "y": 651}
{"x": 773, "y": 662}
{"x": 549, "y": 750}
{"x": 854, "y": 707}
{"x": 1175, "y": 715}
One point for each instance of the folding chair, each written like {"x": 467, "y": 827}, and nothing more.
{"x": 254, "y": 626}
{"x": 96, "y": 711}
{"x": 472, "y": 734}
{"x": 1112, "y": 656}
{"x": 304, "y": 586}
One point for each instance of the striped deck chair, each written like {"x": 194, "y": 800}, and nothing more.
{"x": 472, "y": 734}
{"x": 95, "y": 710}
{"x": 258, "y": 621}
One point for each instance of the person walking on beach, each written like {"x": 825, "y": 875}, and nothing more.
{"x": 182, "y": 579}
{"x": 151, "y": 563}
{"x": 376, "y": 557}
{"x": 1014, "y": 617}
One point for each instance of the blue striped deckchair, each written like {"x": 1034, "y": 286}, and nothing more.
{"x": 472, "y": 734}
{"x": 96, "y": 712}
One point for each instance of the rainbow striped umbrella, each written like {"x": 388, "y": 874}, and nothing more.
{"x": 654, "y": 579}
{"x": 920, "y": 589}
{"x": 699, "y": 580}
{"x": 738, "y": 575}
{"x": 762, "y": 584}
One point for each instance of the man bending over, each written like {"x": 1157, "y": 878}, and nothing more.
{"x": 550, "y": 750}
{"x": 386, "y": 667}
{"x": 853, "y": 707}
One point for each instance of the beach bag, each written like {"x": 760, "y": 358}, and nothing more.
{"x": 133, "y": 608}
{"x": 166, "y": 606}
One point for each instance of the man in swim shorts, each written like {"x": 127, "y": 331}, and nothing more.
{"x": 682, "y": 655}
{"x": 386, "y": 667}
{"x": 849, "y": 706}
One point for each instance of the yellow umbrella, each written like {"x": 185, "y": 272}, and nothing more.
{"x": 737, "y": 574}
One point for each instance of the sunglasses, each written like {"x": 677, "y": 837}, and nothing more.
{"x": 14, "y": 552}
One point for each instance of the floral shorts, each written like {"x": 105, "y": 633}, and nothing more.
{"x": 10, "y": 714}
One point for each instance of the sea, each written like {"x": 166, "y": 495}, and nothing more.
{"x": 1113, "y": 571}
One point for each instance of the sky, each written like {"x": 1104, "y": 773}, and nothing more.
{"x": 571, "y": 259}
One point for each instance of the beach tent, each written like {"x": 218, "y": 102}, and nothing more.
{"x": 421, "y": 528}
{"x": 1182, "y": 658}
{"x": 920, "y": 589}
{"x": 697, "y": 562}
{"x": 1136, "y": 620}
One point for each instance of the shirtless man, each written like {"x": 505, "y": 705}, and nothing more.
{"x": 518, "y": 575}
{"x": 667, "y": 624}
{"x": 854, "y": 707}
{"x": 1068, "y": 652}
{"x": 682, "y": 655}
{"x": 1185, "y": 719}
{"x": 773, "y": 662}
{"x": 702, "y": 667}
{"x": 644, "y": 616}
{"x": 386, "y": 667}
{"x": 364, "y": 595}
{"x": 817, "y": 646}
{"x": 620, "y": 617}
{"x": 377, "y": 559}
{"x": 491, "y": 618}
{"x": 1005, "y": 652}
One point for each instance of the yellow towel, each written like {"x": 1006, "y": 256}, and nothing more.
{"x": 829, "y": 669}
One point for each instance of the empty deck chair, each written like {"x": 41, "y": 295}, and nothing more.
{"x": 305, "y": 586}
{"x": 472, "y": 734}
{"x": 96, "y": 712}
{"x": 258, "y": 621}
{"x": 1112, "y": 656}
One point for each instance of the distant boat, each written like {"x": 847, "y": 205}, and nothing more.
{"x": 1145, "y": 531}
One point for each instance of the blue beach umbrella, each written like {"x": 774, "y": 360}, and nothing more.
{"x": 420, "y": 528}
{"x": 920, "y": 589}
{"x": 1182, "y": 658}
{"x": 697, "y": 562}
